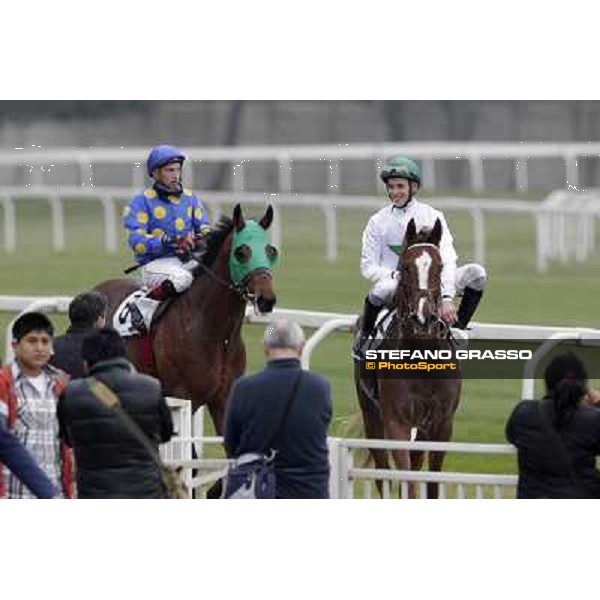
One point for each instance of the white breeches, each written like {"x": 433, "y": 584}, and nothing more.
{"x": 470, "y": 275}
{"x": 171, "y": 268}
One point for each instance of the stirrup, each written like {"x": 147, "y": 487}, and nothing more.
{"x": 137, "y": 319}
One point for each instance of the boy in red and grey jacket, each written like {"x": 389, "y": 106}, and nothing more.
{"x": 29, "y": 391}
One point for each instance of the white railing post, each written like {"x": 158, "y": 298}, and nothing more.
{"x": 542, "y": 226}
{"x": 58, "y": 223}
{"x": 429, "y": 174}
{"x": 333, "y": 177}
{"x": 333, "y": 447}
{"x": 317, "y": 337}
{"x": 285, "y": 174}
{"x": 138, "y": 176}
{"x": 10, "y": 225}
{"x": 521, "y": 176}
{"x": 572, "y": 171}
{"x": 238, "y": 176}
{"x": 275, "y": 230}
{"x": 477, "y": 177}
{"x": 346, "y": 485}
{"x": 330, "y": 232}
{"x": 197, "y": 430}
{"x": 85, "y": 171}
{"x": 110, "y": 224}
{"x": 478, "y": 235}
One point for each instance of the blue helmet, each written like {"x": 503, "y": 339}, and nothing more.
{"x": 163, "y": 155}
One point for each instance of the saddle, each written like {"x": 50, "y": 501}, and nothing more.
{"x": 387, "y": 327}
{"x": 152, "y": 311}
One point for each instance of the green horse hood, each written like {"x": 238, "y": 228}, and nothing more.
{"x": 250, "y": 248}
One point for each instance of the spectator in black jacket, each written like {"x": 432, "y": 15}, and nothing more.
{"x": 110, "y": 462}
{"x": 87, "y": 312}
{"x": 558, "y": 438}
{"x": 255, "y": 408}
{"x": 18, "y": 460}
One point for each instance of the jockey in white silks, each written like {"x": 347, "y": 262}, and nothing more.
{"x": 386, "y": 228}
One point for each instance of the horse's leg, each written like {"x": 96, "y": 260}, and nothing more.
{"x": 398, "y": 431}
{"x": 374, "y": 431}
{"x": 217, "y": 414}
{"x": 436, "y": 459}
{"x": 371, "y": 416}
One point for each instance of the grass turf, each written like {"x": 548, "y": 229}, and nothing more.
{"x": 516, "y": 293}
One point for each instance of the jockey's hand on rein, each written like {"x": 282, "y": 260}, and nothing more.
{"x": 448, "y": 311}
{"x": 199, "y": 242}
{"x": 182, "y": 245}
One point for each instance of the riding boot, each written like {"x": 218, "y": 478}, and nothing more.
{"x": 369, "y": 317}
{"x": 161, "y": 292}
{"x": 468, "y": 305}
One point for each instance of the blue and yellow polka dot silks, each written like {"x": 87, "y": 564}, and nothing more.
{"x": 150, "y": 215}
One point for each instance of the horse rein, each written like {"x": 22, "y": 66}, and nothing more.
{"x": 240, "y": 289}
{"x": 422, "y": 244}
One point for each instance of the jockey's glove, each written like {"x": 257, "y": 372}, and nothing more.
{"x": 184, "y": 245}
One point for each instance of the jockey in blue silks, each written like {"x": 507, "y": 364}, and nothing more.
{"x": 164, "y": 224}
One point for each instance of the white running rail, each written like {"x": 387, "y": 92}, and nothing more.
{"x": 327, "y": 323}
{"x": 284, "y": 158}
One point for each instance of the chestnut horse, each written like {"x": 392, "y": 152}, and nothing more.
{"x": 197, "y": 346}
{"x": 394, "y": 406}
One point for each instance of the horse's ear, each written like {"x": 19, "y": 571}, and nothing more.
{"x": 436, "y": 233}
{"x": 411, "y": 233}
{"x": 267, "y": 219}
{"x": 238, "y": 218}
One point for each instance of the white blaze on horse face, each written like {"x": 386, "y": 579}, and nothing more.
{"x": 420, "y": 313}
{"x": 423, "y": 263}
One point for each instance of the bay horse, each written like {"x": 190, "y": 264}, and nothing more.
{"x": 394, "y": 406}
{"x": 196, "y": 344}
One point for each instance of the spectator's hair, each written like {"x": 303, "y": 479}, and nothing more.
{"x": 102, "y": 344}
{"x": 31, "y": 321}
{"x": 283, "y": 333}
{"x": 85, "y": 308}
{"x": 566, "y": 382}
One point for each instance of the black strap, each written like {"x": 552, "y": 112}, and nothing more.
{"x": 277, "y": 434}
{"x": 111, "y": 401}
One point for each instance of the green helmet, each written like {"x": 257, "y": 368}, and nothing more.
{"x": 401, "y": 166}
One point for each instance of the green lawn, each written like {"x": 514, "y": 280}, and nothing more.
{"x": 566, "y": 295}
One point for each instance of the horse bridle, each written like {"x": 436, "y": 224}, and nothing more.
{"x": 411, "y": 318}
{"x": 240, "y": 289}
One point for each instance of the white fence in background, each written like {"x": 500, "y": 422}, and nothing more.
{"x": 475, "y": 154}
{"x": 549, "y": 216}
{"x": 345, "y": 474}
{"x": 567, "y": 226}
